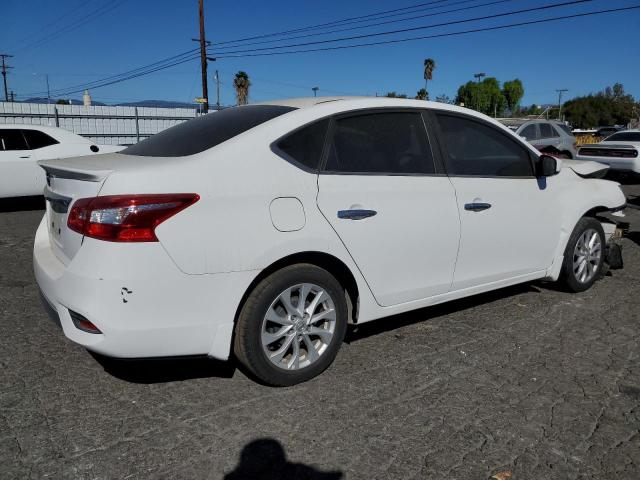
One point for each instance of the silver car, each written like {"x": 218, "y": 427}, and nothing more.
{"x": 549, "y": 136}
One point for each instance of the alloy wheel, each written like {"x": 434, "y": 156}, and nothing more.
{"x": 586, "y": 256}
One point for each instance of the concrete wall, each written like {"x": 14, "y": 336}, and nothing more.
{"x": 103, "y": 125}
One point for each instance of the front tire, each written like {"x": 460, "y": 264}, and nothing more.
{"x": 584, "y": 255}
{"x": 292, "y": 325}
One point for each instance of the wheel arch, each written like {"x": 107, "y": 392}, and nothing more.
{"x": 330, "y": 263}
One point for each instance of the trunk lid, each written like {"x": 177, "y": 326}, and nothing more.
{"x": 67, "y": 181}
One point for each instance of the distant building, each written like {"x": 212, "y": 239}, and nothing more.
{"x": 86, "y": 98}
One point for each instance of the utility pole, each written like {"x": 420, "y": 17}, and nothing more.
{"x": 48, "y": 91}
{"x": 478, "y": 77}
{"x": 560, "y": 92}
{"x": 315, "y": 91}
{"x": 4, "y": 74}
{"x": 217, "y": 91}
{"x": 203, "y": 58}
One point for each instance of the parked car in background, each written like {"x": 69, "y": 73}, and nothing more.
{"x": 550, "y": 137}
{"x": 265, "y": 229}
{"x": 621, "y": 151}
{"x": 604, "y": 132}
{"x": 21, "y": 146}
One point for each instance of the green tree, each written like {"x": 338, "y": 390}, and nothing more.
{"x": 429, "y": 67}
{"x": 442, "y": 98}
{"x": 612, "y": 106}
{"x": 513, "y": 91}
{"x": 422, "y": 94}
{"x": 241, "y": 85}
{"x": 485, "y": 97}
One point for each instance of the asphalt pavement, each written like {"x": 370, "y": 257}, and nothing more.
{"x": 529, "y": 380}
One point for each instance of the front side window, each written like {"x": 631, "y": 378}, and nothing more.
{"x": 547, "y": 131}
{"x": 305, "y": 145}
{"x": 205, "y": 132}
{"x": 37, "y": 139}
{"x": 381, "y": 143}
{"x": 530, "y": 132}
{"x": 474, "y": 148}
{"x": 12, "y": 140}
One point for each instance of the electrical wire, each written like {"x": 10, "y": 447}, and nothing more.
{"x": 440, "y": 35}
{"x": 412, "y": 29}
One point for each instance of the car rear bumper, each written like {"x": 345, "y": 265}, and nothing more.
{"x": 621, "y": 164}
{"x": 143, "y": 305}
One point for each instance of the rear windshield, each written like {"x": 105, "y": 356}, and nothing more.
{"x": 202, "y": 133}
{"x": 565, "y": 129}
{"x": 624, "y": 137}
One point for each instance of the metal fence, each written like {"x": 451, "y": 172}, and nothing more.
{"x": 101, "y": 124}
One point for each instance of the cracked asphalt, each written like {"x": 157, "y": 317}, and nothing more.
{"x": 529, "y": 380}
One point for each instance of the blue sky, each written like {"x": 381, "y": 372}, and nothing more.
{"x": 583, "y": 55}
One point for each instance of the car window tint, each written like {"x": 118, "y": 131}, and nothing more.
{"x": 394, "y": 143}
{"x": 12, "y": 140}
{"x": 530, "y": 132}
{"x": 546, "y": 131}
{"x": 305, "y": 145}
{"x": 474, "y": 148}
{"x": 207, "y": 131}
{"x": 37, "y": 139}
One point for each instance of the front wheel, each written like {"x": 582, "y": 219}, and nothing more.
{"x": 292, "y": 325}
{"x": 584, "y": 255}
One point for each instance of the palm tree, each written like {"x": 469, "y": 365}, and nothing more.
{"x": 241, "y": 84}
{"x": 422, "y": 94}
{"x": 429, "y": 67}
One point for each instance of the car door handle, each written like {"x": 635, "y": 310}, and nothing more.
{"x": 477, "y": 206}
{"x": 26, "y": 156}
{"x": 357, "y": 214}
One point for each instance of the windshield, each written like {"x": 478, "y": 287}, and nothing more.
{"x": 624, "y": 137}
{"x": 207, "y": 131}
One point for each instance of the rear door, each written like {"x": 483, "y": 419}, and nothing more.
{"x": 510, "y": 226}
{"x": 388, "y": 200}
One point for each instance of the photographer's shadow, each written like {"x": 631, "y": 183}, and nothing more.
{"x": 264, "y": 459}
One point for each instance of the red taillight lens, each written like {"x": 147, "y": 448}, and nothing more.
{"x": 126, "y": 218}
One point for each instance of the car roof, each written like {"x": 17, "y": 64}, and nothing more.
{"x": 59, "y": 134}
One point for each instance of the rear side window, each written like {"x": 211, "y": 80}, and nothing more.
{"x": 473, "y": 148}
{"x": 12, "y": 140}
{"x": 207, "y": 131}
{"x": 392, "y": 143}
{"x": 37, "y": 139}
{"x": 305, "y": 145}
{"x": 547, "y": 131}
{"x": 530, "y": 132}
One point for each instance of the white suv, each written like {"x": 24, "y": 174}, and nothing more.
{"x": 264, "y": 230}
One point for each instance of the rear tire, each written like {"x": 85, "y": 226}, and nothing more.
{"x": 282, "y": 340}
{"x": 584, "y": 255}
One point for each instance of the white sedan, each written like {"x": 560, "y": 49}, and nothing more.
{"x": 21, "y": 146}
{"x": 621, "y": 151}
{"x": 261, "y": 231}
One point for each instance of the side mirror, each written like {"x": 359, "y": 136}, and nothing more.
{"x": 547, "y": 166}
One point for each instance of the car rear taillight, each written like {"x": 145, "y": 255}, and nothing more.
{"x": 126, "y": 218}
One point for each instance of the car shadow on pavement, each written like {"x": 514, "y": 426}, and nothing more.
{"x": 164, "y": 370}
{"x": 21, "y": 204}
{"x": 359, "y": 332}
{"x": 265, "y": 459}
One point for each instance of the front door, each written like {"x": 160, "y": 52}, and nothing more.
{"x": 509, "y": 227}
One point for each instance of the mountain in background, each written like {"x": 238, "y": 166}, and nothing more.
{"x": 142, "y": 103}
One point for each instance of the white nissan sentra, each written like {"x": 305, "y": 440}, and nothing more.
{"x": 261, "y": 231}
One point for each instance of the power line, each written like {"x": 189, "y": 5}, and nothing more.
{"x": 440, "y": 35}
{"x": 422, "y": 27}
{"x": 102, "y": 10}
{"x": 379, "y": 23}
{"x": 333, "y": 23}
